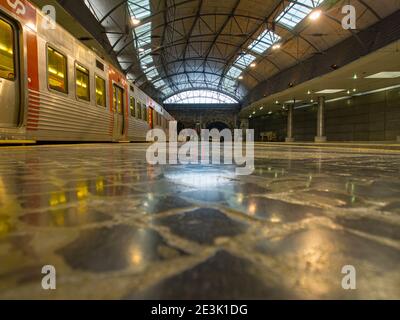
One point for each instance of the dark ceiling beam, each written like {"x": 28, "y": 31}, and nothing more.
{"x": 84, "y": 16}
{"x": 219, "y": 32}
{"x": 191, "y": 72}
{"x": 190, "y": 33}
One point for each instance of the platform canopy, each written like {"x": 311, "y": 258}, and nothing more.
{"x": 228, "y": 46}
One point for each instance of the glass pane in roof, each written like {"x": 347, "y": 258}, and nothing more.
{"x": 139, "y": 9}
{"x": 234, "y": 72}
{"x": 143, "y": 35}
{"x": 244, "y": 60}
{"x": 297, "y": 11}
{"x": 200, "y": 96}
{"x": 159, "y": 84}
{"x": 264, "y": 42}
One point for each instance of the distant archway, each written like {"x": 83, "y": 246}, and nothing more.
{"x": 219, "y": 125}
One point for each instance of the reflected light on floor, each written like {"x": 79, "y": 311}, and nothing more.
{"x": 201, "y": 179}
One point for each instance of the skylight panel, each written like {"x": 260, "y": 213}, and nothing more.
{"x": 143, "y": 35}
{"x": 266, "y": 40}
{"x": 244, "y": 60}
{"x": 139, "y": 9}
{"x": 145, "y": 61}
{"x": 159, "y": 84}
{"x": 234, "y": 72}
{"x": 152, "y": 73}
{"x": 296, "y": 12}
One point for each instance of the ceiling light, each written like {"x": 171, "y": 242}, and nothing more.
{"x": 254, "y": 112}
{"x": 261, "y": 108}
{"x": 385, "y": 75}
{"x": 276, "y": 102}
{"x": 355, "y": 77}
{"x": 315, "y": 15}
{"x": 309, "y": 92}
{"x": 354, "y": 90}
{"x": 276, "y": 46}
{"x": 141, "y": 50}
{"x": 330, "y": 91}
{"x": 253, "y": 65}
{"x": 135, "y": 21}
{"x": 240, "y": 77}
{"x": 270, "y": 112}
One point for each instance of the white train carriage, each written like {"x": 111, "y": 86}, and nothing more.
{"x": 54, "y": 88}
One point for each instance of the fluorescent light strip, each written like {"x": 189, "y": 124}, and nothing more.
{"x": 385, "y": 75}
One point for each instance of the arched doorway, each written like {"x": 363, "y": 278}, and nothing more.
{"x": 219, "y": 125}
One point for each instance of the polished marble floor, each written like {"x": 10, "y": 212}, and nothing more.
{"x": 115, "y": 227}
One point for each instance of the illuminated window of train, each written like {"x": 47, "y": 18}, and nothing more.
{"x": 118, "y": 99}
{"x": 82, "y": 83}
{"x": 100, "y": 92}
{"x": 133, "y": 107}
{"x": 6, "y": 51}
{"x": 57, "y": 70}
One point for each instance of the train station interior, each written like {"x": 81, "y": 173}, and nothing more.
{"x": 309, "y": 92}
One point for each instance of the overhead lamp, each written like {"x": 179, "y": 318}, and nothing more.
{"x": 135, "y": 21}
{"x": 355, "y": 77}
{"x": 315, "y": 15}
{"x": 240, "y": 78}
{"x": 308, "y": 92}
{"x": 261, "y": 108}
{"x": 276, "y": 46}
{"x": 253, "y": 65}
{"x": 330, "y": 91}
{"x": 141, "y": 50}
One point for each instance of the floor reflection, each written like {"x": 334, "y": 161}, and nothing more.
{"x": 107, "y": 219}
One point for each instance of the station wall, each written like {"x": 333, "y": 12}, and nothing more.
{"x": 372, "y": 117}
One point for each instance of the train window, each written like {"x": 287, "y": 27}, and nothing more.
{"x": 139, "y": 110}
{"x": 57, "y": 70}
{"x": 144, "y": 112}
{"x": 118, "y": 99}
{"x": 82, "y": 83}
{"x": 133, "y": 107}
{"x": 7, "y": 67}
{"x": 100, "y": 91}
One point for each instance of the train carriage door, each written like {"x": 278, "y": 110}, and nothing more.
{"x": 118, "y": 103}
{"x": 9, "y": 78}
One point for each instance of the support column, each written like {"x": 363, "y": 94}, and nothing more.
{"x": 290, "y": 137}
{"x": 321, "y": 121}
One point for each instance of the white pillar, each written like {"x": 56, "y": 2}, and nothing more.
{"x": 321, "y": 121}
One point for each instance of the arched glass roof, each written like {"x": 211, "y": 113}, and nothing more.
{"x": 200, "y": 97}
